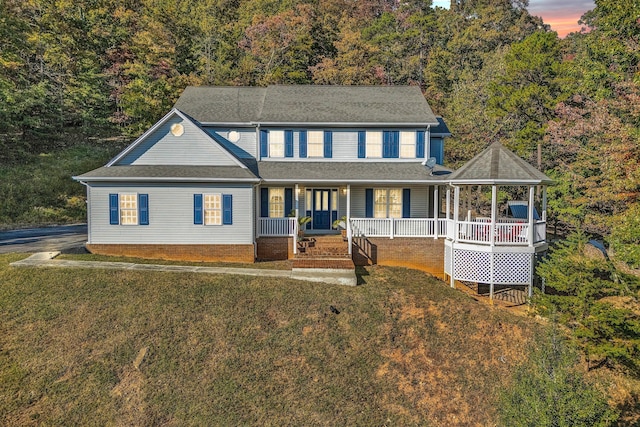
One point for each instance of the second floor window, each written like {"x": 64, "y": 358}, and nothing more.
{"x": 407, "y": 144}
{"x": 276, "y": 143}
{"x": 315, "y": 143}
{"x": 374, "y": 144}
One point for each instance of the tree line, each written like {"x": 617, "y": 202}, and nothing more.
{"x": 495, "y": 72}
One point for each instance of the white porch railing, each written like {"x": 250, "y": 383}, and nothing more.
{"x": 277, "y": 227}
{"x": 508, "y": 231}
{"x": 399, "y": 227}
{"x": 540, "y": 232}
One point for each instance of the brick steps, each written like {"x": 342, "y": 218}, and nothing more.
{"x": 327, "y": 252}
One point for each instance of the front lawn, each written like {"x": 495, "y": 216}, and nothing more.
{"x": 230, "y": 350}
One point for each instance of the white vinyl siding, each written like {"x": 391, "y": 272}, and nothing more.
{"x": 172, "y": 214}
{"x": 374, "y": 144}
{"x": 128, "y": 209}
{"x": 408, "y": 144}
{"x": 193, "y": 147}
{"x": 276, "y": 143}
{"x": 212, "y": 209}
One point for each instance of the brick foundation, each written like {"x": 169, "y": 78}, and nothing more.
{"x": 204, "y": 253}
{"x": 274, "y": 248}
{"x": 419, "y": 253}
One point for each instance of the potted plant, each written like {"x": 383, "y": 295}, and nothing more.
{"x": 302, "y": 223}
{"x": 341, "y": 224}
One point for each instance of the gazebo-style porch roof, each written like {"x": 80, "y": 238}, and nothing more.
{"x": 494, "y": 249}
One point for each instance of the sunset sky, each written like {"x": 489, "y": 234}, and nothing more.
{"x": 562, "y": 15}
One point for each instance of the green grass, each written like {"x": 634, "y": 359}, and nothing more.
{"x": 39, "y": 190}
{"x": 229, "y": 350}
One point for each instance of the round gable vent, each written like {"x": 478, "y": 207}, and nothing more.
{"x": 234, "y": 136}
{"x": 177, "y": 129}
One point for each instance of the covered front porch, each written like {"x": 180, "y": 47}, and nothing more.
{"x": 359, "y": 211}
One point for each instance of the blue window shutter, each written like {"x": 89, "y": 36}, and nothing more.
{"x": 227, "y": 209}
{"x": 368, "y": 199}
{"x": 197, "y": 209}
{"x": 303, "y": 144}
{"x": 328, "y": 144}
{"x": 143, "y": 209}
{"x": 390, "y": 144}
{"x": 288, "y": 143}
{"x": 406, "y": 203}
{"x": 264, "y": 143}
{"x": 114, "y": 214}
{"x": 395, "y": 144}
{"x": 362, "y": 144}
{"x": 385, "y": 144}
{"x": 288, "y": 201}
{"x": 420, "y": 144}
{"x": 264, "y": 202}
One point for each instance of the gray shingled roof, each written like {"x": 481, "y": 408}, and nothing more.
{"x": 497, "y": 165}
{"x": 312, "y": 104}
{"x": 168, "y": 173}
{"x": 222, "y": 104}
{"x": 332, "y": 172}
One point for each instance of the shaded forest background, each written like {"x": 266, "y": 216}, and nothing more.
{"x": 496, "y": 73}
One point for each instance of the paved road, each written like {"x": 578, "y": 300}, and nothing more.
{"x": 60, "y": 238}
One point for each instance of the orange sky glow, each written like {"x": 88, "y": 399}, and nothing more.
{"x": 562, "y": 16}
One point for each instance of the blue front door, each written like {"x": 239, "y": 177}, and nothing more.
{"x": 321, "y": 209}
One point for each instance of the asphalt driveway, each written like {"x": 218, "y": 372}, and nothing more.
{"x": 58, "y": 238}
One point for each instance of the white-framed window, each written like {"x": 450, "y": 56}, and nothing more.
{"x": 407, "y": 144}
{"x": 212, "y": 207}
{"x": 374, "y": 144}
{"x": 128, "y": 209}
{"x": 276, "y": 202}
{"x": 315, "y": 143}
{"x": 387, "y": 203}
{"x": 276, "y": 143}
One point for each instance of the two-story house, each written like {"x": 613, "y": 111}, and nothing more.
{"x": 227, "y": 173}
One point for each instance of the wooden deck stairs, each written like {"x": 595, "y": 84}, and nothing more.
{"x": 330, "y": 252}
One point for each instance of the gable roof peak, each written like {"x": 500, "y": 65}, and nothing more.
{"x": 498, "y": 165}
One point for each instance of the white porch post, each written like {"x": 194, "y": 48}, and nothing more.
{"x": 448, "y": 202}
{"x": 494, "y": 215}
{"x": 297, "y": 196}
{"x": 348, "y": 224}
{"x": 295, "y": 228}
{"x": 531, "y": 233}
{"x": 544, "y": 203}
{"x": 436, "y": 209}
{"x": 456, "y": 214}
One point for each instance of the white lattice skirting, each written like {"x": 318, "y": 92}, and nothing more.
{"x": 496, "y": 268}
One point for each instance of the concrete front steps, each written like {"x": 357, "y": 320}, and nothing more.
{"x": 320, "y": 257}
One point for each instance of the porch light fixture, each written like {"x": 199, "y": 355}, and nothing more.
{"x": 177, "y": 129}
